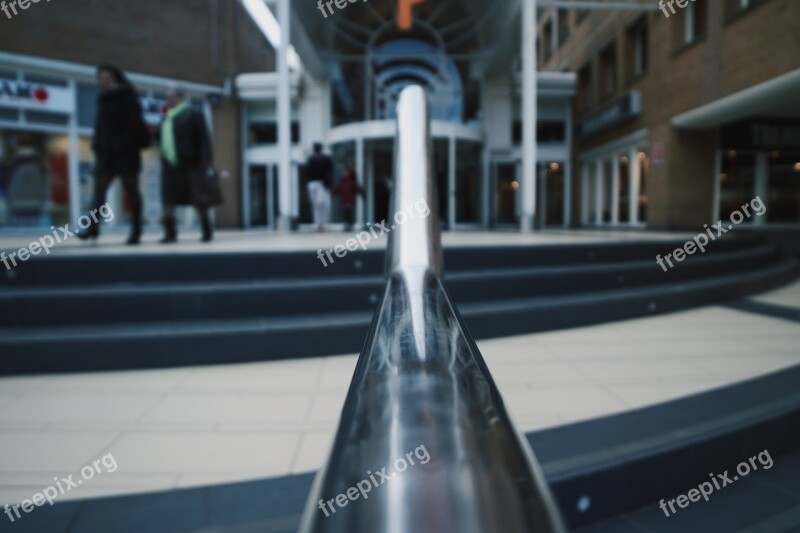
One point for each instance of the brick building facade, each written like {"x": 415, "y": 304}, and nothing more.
{"x": 669, "y": 107}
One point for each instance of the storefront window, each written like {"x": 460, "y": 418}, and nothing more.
{"x": 554, "y": 213}
{"x": 468, "y": 182}
{"x": 783, "y": 205}
{"x": 34, "y": 178}
{"x": 737, "y": 185}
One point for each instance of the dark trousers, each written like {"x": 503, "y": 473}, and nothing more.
{"x": 130, "y": 183}
{"x": 349, "y": 215}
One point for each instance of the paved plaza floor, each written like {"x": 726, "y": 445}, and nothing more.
{"x": 197, "y": 426}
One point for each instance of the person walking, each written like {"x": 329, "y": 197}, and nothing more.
{"x": 319, "y": 170}
{"x": 346, "y": 190}
{"x": 185, "y": 153}
{"x": 119, "y": 135}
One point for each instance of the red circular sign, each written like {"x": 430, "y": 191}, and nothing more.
{"x": 41, "y": 94}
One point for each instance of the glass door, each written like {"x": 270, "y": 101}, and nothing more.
{"x": 263, "y": 190}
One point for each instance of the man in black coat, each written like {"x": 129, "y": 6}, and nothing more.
{"x": 119, "y": 136}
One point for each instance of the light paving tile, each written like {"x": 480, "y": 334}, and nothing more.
{"x": 749, "y": 365}
{"x": 226, "y": 407}
{"x": 313, "y": 451}
{"x": 545, "y": 372}
{"x": 202, "y": 480}
{"x": 525, "y": 422}
{"x": 602, "y": 349}
{"x": 51, "y": 451}
{"x": 21, "y": 384}
{"x": 77, "y": 406}
{"x": 788, "y": 344}
{"x": 248, "y": 453}
{"x": 631, "y": 369}
{"x": 129, "y": 381}
{"x": 788, "y": 296}
{"x": 277, "y": 376}
{"x": 337, "y": 377}
{"x": 563, "y": 398}
{"x": 642, "y": 394}
{"x": 327, "y": 407}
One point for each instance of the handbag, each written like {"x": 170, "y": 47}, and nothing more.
{"x": 206, "y": 187}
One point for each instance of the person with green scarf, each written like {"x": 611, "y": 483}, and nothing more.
{"x": 185, "y": 151}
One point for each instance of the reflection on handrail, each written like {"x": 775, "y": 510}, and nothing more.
{"x": 424, "y": 444}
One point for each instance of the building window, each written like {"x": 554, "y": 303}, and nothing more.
{"x": 261, "y": 133}
{"x": 563, "y": 26}
{"x": 735, "y": 7}
{"x": 581, "y": 15}
{"x": 608, "y": 70}
{"x": 585, "y": 87}
{"x": 693, "y": 24}
{"x": 547, "y": 37}
{"x": 637, "y": 49}
{"x": 547, "y": 132}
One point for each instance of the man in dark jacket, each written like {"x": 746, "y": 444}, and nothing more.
{"x": 319, "y": 171}
{"x": 118, "y": 140}
{"x": 185, "y": 152}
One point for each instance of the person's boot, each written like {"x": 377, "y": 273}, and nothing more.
{"x": 208, "y": 231}
{"x": 170, "y": 231}
{"x": 92, "y": 232}
{"x": 136, "y": 229}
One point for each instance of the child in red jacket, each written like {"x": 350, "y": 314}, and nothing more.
{"x": 346, "y": 190}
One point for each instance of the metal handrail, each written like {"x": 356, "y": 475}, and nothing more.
{"x": 424, "y": 444}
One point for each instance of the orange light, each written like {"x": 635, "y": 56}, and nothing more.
{"x": 797, "y": 167}
{"x": 515, "y": 185}
{"x": 405, "y": 13}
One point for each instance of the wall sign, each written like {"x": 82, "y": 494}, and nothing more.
{"x": 35, "y": 96}
{"x": 761, "y": 135}
{"x": 627, "y": 107}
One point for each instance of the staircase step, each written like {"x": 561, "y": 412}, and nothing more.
{"x": 165, "y": 344}
{"x": 129, "y": 303}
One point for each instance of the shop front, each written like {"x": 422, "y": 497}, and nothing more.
{"x": 760, "y": 157}
{"x": 47, "y": 113}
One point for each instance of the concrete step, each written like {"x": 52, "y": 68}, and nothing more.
{"x": 171, "y": 302}
{"x": 176, "y": 343}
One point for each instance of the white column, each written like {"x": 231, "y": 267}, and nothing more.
{"x": 360, "y": 173}
{"x": 716, "y": 207}
{"x": 542, "y": 195}
{"x": 451, "y": 182}
{"x": 567, "y": 193}
{"x": 73, "y": 170}
{"x": 599, "y": 201}
{"x": 762, "y": 184}
{"x": 585, "y": 195}
{"x": 529, "y": 97}
{"x": 284, "y": 119}
{"x": 615, "y": 190}
{"x": 634, "y": 185}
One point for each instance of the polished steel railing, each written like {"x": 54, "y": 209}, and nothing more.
{"x": 424, "y": 444}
